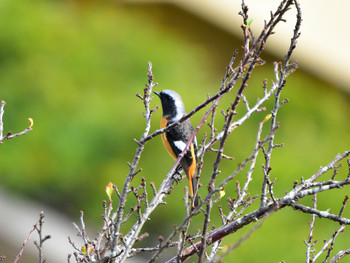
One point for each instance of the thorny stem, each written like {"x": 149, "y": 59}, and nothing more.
{"x": 243, "y": 193}
{"x": 310, "y": 243}
{"x": 330, "y": 242}
{"x": 38, "y": 227}
{"x": 148, "y": 113}
{"x": 25, "y": 243}
{"x": 267, "y": 166}
{"x": 281, "y": 82}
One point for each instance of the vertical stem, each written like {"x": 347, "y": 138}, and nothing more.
{"x": 1, "y": 121}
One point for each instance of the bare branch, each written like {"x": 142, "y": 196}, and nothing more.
{"x": 37, "y": 227}
{"x": 9, "y": 135}
{"x": 243, "y": 210}
{"x": 339, "y": 256}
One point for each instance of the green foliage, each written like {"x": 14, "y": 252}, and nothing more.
{"x": 75, "y": 69}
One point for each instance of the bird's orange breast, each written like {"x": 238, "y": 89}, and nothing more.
{"x": 167, "y": 146}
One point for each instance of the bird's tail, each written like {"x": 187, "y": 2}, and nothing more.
{"x": 193, "y": 184}
{"x": 195, "y": 192}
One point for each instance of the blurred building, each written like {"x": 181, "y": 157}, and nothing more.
{"x": 323, "y": 48}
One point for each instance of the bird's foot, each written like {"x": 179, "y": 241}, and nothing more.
{"x": 177, "y": 175}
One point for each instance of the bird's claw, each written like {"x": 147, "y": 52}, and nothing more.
{"x": 177, "y": 175}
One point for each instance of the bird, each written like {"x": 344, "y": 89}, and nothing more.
{"x": 176, "y": 138}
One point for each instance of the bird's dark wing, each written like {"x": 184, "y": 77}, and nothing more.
{"x": 178, "y": 138}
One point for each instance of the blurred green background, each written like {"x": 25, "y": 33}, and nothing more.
{"x": 75, "y": 67}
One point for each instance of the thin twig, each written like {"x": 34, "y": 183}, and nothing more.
{"x": 25, "y": 242}
{"x": 9, "y": 135}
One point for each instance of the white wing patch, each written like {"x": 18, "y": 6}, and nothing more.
{"x": 180, "y": 145}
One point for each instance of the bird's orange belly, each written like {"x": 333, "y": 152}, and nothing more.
{"x": 167, "y": 146}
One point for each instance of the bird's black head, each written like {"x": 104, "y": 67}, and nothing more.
{"x": 172, "y": 104}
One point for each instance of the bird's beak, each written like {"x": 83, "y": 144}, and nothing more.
{"x": 156, "y": 93}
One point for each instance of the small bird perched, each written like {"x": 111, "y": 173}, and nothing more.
{"x": 175, "y": 139}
